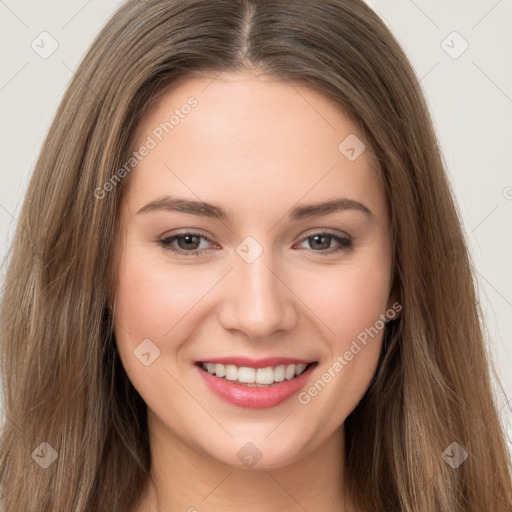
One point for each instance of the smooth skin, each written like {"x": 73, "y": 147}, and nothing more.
{"x": 257, "y": 147}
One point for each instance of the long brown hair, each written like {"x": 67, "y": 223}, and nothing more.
{"x": 62, "y": 378}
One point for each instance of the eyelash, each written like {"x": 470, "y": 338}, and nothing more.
{"x": 345, "y": 243}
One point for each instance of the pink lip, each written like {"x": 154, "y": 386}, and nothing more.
{"x": 255, "y": 397}
{"x": 256, "y": 363}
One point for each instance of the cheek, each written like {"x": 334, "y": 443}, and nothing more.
{"x": 156, "y": 297}
{"x": 348, "y": 299}
{"x": 155, "y": 302}
{"x": 152, "y": 298}
{"x": 351, "y": 302}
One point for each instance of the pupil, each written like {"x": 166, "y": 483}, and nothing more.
{"x": 188, "y": 239}
{"x": 324, "y": 245}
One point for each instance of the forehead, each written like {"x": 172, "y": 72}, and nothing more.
{"x": 249, "y": 139}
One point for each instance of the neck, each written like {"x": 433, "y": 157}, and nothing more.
{"x": 189, "y": 480}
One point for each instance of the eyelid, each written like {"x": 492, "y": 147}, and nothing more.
{"x": 189, "y": 232}
{"x": 324, "y": 231}
{"x": 184, "y": 231}
{"x": 344, "y": 239}
{"x": 301, "y": 237}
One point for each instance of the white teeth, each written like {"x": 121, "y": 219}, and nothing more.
{"x": 290, "y": 372}
{"x": 265, "y": 375}
{"x": 246, "y": 374}
{"x": 299, "y": 369}
{"x": 231, "y": 372}
{"x": 262, "y": 376}
{"x": 279, "y": 373}
{"x": 220, "y": 370}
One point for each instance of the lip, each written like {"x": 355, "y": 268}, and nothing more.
{"x": 256, "y": 363}
{"x": 255, "y": 397}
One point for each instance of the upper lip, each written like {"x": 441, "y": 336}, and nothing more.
{"x": 256, "y": 363}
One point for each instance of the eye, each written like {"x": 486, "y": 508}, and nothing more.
{"x": 321, "y": 241}
{"x": 189, "y": 243}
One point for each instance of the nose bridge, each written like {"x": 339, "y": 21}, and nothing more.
{"x": 258, "y": 303}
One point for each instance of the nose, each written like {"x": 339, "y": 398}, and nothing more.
{"x": 257, "y": 300}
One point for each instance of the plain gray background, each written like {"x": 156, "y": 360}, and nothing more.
{"x": 469, "y": 91}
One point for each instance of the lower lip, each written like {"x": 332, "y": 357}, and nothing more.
{"x": 255, "y": 397}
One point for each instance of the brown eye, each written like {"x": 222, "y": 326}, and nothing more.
{"x": 322, "y": 242}
{"x": 187, "y": 244}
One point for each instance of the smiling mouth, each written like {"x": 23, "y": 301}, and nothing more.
{"x": 255, "y": 377}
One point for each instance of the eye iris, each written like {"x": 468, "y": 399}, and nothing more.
{"x": 192, "y": 246}
{"x": 320, "y": 245}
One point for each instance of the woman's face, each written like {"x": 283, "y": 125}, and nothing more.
{"x": 263, "y": 270}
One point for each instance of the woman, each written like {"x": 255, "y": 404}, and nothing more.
{"x": 239, "y": 279}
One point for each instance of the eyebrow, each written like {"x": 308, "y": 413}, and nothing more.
{"x": 202, "y": 209}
